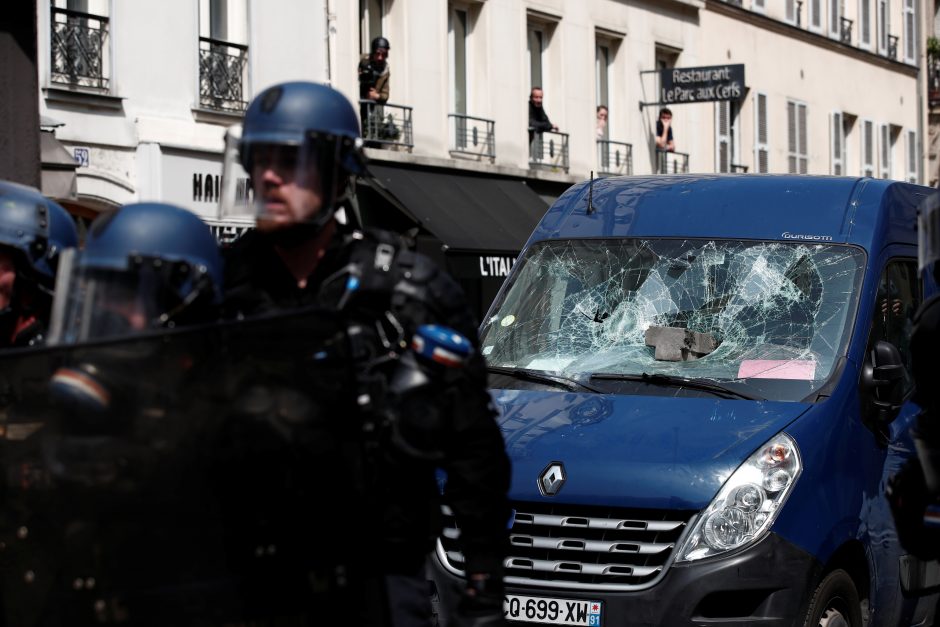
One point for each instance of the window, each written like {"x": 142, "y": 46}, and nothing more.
{"x": 897, "y": 299}
{"x": 791, "y": 13}
{"x": 370, "y": 22}
{"x": 864, "y": 23}
{"x": 761, "y": 148}
{"x": 882, "y": 19}
{"x": 457, "y": 31}
{"x": 835, "y": 19}
{"x": 912, "y": 157}
{"x": 726, "y": 135}
{"x": 80, "y": 44}
{"x": 223, "y": 54}
{"x": 868, "y": 148}
{"x": 602, "y": 62}
{"x": 540, "y": 28}
{"x": 798, "y": 161}
{"x": 910, "y": 32}
{"x": 816, "y": 15}
{"x": 837, "y": 132}
{"x": 887, "y": 147}
{"x": 759, "y": 5}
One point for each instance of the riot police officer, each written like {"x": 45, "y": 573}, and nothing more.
{"x": 33, "y": 232}
{"x": 914, "y": 492}
{"x": 110, "y": 484}
{"x": 300, "y": 145}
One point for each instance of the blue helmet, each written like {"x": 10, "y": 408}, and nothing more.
{"x": 144, "y": 266}
{"x": 37, "y": 228}
{"x": 290, "y": 112}
{"x": 305, "y": 129}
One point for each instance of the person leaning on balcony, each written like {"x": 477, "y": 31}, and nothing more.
{"x": 664, "y": 139}
{"x": 374, "y": 73}
{"x": 601, "y": 128}
{"x": 538, "y": 119}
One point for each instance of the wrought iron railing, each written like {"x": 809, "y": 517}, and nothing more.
{"x": 79, "y": 49}
{"x": 893, "y": 47}
{"x": 386, "y": 125}
{"x": 614, "y": 157}
{"x": 933, "y": 80}
{"x": 223, "y": 73}
{"x": 845, "y": 30}
{"x": 669, "y": 162}
{"x": 738, "y": 168}
{"x": 472, "y": 136}
{"x": 549, "y": 149}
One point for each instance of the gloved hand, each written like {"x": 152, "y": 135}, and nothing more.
{"x": 481, "y": 604}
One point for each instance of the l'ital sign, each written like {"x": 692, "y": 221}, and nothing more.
{"x": 495, "y": 266}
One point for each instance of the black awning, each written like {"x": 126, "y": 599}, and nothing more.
{"x": 466, "y": 211}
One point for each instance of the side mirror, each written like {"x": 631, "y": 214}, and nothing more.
{"x": 883, "y": 378}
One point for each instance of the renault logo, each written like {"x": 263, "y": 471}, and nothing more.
{"x": 552, "y": 478}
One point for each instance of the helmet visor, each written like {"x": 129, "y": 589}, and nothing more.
{"x": 104, "y": 303}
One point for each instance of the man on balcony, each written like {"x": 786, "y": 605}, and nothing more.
{"x": 374, "y": 78}
{"x": 538, "y": 122}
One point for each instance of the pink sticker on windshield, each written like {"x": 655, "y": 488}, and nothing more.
{"x": 802, "y": 369}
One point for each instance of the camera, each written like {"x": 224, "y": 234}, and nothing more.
{"x": 368, "y": 75}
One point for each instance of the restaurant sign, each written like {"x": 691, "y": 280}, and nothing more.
{"x": 701, "y": 84}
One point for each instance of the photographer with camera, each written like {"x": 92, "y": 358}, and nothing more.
{"x": 374, "y": 78}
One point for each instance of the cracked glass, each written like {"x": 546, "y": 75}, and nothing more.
{"x": 722, "y": 310}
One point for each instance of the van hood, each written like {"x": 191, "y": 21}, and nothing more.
{"x": 633, "y": 451}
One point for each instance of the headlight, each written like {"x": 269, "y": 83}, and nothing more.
{"x": 747, "y": 503}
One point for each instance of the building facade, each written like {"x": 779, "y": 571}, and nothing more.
{"x": 141, "y": 94}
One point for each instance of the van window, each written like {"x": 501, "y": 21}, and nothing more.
{"x": 764, "y": 310}
{"x": 897, "y": 300}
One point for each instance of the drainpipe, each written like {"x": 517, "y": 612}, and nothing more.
{"x": 329, "y": 41}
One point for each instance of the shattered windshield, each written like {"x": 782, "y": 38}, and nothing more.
{"x": 753, "y": 312}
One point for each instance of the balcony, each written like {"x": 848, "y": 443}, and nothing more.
{"x": 845, "y": 30}
{"x": 79, "y": 45}
{"x": 386, "y": 125}
{"x": 549, "y": 150}
{"x": 223, "y": 70}
{"x": 672, "y": 162}
{"x": 472, "y": 136}
{"x": 614, "y": 158}
{"x": 933, "y": 80}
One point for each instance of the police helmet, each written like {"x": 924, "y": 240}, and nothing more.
{"x": 380, "y": 42}
{"x": 37, "y": 229}
{"x": 316, "y": 124}
{"x": 144, "y": 266}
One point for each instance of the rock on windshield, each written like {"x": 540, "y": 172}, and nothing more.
{"x": 768, "y": 309}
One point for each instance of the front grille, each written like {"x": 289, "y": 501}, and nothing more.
{"x": 578, "y": 546}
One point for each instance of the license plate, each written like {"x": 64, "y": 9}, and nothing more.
{"x": 550, "y": 611}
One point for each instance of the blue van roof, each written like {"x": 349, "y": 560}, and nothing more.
{"x": 863, "y": 211}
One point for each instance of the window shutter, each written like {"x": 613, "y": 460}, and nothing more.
{"x": 790, "y": 10}
{"x": 885, "y": 156}
{"x": 910, "y": 32}
{"x": 723, "y": 136}
{"x": 868, "y": 156}
{"x": 912, "y": 156}
{"x": 803, "y": 154}
{"x": 838, "y": 141}
{"x": 761, "y": 149}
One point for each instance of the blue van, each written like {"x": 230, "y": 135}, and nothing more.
{"x": 702, "y": 384}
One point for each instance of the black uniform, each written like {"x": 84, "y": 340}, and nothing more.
{"x": 376, "y": 283}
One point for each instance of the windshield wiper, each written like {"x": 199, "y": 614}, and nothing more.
{"x": 674, "y": 381}
{"x": 543, "y": 377}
